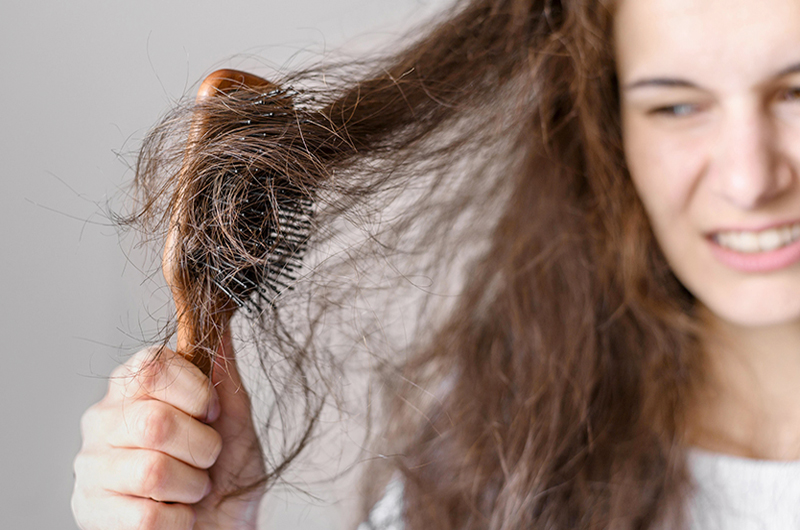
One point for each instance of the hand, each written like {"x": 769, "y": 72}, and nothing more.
{"x": 163, "y": 446}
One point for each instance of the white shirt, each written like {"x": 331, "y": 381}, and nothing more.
{"x": 732, "y": 493}
{"x": 735, "y": 493}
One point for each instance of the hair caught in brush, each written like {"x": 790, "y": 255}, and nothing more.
{"x": 471, "y": 234}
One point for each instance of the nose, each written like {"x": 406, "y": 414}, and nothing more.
{"x": 749, "y": 168}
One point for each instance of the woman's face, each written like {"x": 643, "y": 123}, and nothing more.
{"x": 710, "y": 101}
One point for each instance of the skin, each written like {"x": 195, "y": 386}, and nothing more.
{"x": 718, "y": 148}
{"x": 165, "y": 445}
{"x": 162, "y": 434}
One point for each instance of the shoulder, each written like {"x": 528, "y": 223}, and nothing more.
{"x": 387, "y": 514}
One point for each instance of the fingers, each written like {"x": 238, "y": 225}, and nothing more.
{"x": 146, "y": 450}
{"x": 122, "y": 512}
{"x": 163, "y": 375}
{"x": 236, "y": 424}
{"x": 142, "y": 473}
{"x": 149, "y": 461}
{"x": 157, "y": 426}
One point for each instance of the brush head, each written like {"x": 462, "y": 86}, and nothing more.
{"x": 252, "y": 248}
{"x": 239, "y": 224}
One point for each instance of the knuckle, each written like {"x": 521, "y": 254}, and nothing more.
{"x": 122, "y": 382}
{"x": 88, "y": 421}
{"x": 153, "y": 474}
{"x": 140, "y": 374}
{"x": 147, "y": 356}
{"x": 123, "y": 374}
{"x": 120, "y": 371}
{"x": 147, "y": 377}
{"x": 156, "y": 426}
{"x": 79, "y": 465}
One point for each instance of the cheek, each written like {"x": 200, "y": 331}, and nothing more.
{"x": 665, "y": 170}
{"x": 788, "y": 138}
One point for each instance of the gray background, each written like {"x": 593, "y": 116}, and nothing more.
{"x": 82, "y": 82}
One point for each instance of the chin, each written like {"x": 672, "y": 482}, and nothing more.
{"x": 763, "y": 308}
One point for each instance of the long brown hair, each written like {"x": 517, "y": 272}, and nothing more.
{"x": 548, "y": 389}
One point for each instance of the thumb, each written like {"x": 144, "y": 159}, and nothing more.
{"x": 227, "y": 381}
{"x": 238, "y": 474}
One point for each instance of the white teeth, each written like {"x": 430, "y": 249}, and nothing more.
{"x": 786, "y": 233}
{"x": 763, "y": 241}
{"x": 747, "y": 241}
{"x": 770, "y": 239}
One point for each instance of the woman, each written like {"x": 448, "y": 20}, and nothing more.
{"x": 623, "y": 354}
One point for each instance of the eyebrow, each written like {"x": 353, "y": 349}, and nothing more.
{"x": 793, "y": 69}
{"x": 673, "y": 82}
{"x": 664, "y": 82}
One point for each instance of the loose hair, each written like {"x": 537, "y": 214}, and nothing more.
{"x": 474, "y": 183}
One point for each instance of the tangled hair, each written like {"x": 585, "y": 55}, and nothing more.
{"x": 475, "y": 234}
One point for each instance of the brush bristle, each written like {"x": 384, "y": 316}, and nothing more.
{"x": 254, "y": 221}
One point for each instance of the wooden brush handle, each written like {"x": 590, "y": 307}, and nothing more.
{"x": 217, "y": 83}
{"x": 226, "y": 80}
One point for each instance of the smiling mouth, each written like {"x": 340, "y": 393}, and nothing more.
{"x": 749, "y": 242}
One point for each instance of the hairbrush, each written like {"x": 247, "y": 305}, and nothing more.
{"x": 238, "y": 224}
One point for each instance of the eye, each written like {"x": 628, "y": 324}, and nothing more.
{"x": 680, "y": 110}
{"x": 789, "y": 94}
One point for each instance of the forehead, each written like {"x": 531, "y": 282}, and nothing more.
{"x": 729, "y": 40}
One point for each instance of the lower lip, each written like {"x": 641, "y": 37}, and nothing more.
{"x": 772, "y": 260}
